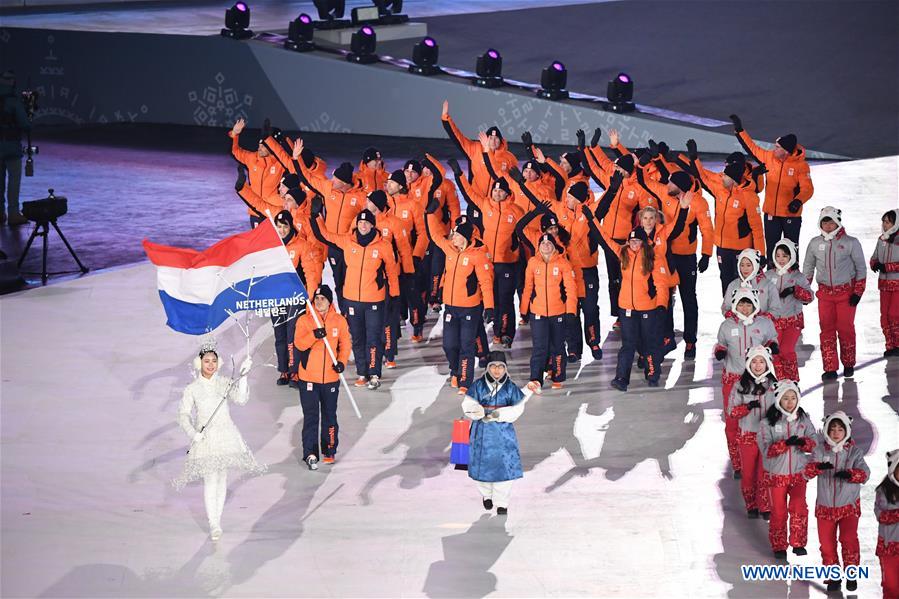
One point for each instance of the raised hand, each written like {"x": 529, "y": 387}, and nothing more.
{"x": 538, "y": 155}
{"x": 738, "y": 124}
{"x": 485, "y": 141}
{"x": 687, "y": 199}
{"x": 297, "y": 148}
{"x": 581, "y": 139}
{"x": 526, "y": 138}
{"x": 597, "y": 133}
{"x": 239, "y": 125}
{"x": 454, "y": 166}
{"x": 692, "y": 150}
{"x": 516, "y": 175}
{"x": 445, "y": 112}
{"x": 613, "y": 137}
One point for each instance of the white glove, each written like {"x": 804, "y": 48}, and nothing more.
{"x": 198, "y": 437}
{"x": 245, "y": 366}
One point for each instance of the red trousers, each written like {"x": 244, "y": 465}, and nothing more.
{"x": 848, "y": 535}
{"x": 889, "y": 566}
{"x": 837, "y": 321}
{"x": 786, "y": 366}
{"x": 798, "y": 512}
{"x": 755, "y": 493}
{"x": 889, "y": 317}
{"x": 731, "y": 425}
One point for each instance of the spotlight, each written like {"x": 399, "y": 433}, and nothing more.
{"x": 237, "y": 22}
{"x": 553, "y": 82}
{"x": 362, "y": 46}
{"x": 390, "y": 12}
{"x": 330, "y": 14}
{"x": 424, "y": 55}
{"x": 621, "y": 93}
{"x": 489, "y": 69}
{"x": 299, "y": 34}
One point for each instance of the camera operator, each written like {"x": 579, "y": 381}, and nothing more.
{"x": 14, "y": 123}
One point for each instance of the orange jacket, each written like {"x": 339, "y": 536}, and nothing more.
{"x": 273, "y": 203}
{"x": 467, "y": 275}
{"x": 501, "y": 160}
{"x": 738, "y": 218}
{"x": 699, "y": 218}
{"x": 315, "y": 364}
{"x": 782, "y": 177}
{"x": 410, "y": 215}
{"x": 341, "y": 207}
{"x": 263, "y": 174}
{"x": 318, "y": 167}
{"x": 371, "y": 270}
{"x": 619, "y": 220}
{"x": 635, "y": 284}
{"x": 394, "y": 234}
{"x": 370, "y": 179}
{"x": 549, "y": 287}
{"x": 499, "y": 220}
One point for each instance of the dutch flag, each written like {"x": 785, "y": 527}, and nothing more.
{"x": 248, "y": 271}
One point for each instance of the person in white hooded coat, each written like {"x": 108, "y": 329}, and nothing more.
{"x": 215, "y": 443}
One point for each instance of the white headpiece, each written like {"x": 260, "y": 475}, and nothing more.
{"x": 846, "y": 421}
{"x": 892, "y": 463}
{"x": 764, "y": 352}
{"x": 886, "y": 234}
{"x": 790, "y": 247}
{"x": 741, "y": 293}
{"x": 834, "y": 214}
{"x": 207, "y": 346}
{"x": 755, "y": 257}
{"x": 779, "y": 391}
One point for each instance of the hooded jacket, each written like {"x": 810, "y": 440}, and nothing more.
{"x": 738, "y": 333}
{"x": 738, "y": 218}
{"x": 782, "y": 177}
{"x": 467, "y": 274}
{"x": 887, "y": 512}
{"x": 835, "y": 260}
{"x": 759, "y": 388}
{"x": 886, "y": 252}
{"x": 499, "y": 219}
{"x": 837, "y": 498}
{"x": 756, "y": 281}
{"x": 549, "y": 287}
{"x": 787, "y": 310}
{"x": 631, "y": 196}
{"x": 263, "y": 174}
{"x": 785, "y": 464}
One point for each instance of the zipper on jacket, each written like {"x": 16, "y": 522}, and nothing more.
{"x": 777, "y": 190}
{"x": 361, "y": 270}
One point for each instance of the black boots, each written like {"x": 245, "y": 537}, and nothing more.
{"x": 799, "y": 551}
{"x": 502, "y": 511}
{"x": 488, "y": 504}
{"x": 752, "y": 514}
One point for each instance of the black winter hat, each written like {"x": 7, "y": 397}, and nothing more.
{"x": 580, "y": 191}
{"x": 735, "y": 157}
{"x": 682, "y": 181}
{"x": 572, "y": 158}
{"x": 638, "y": 233}
{"x": 297, "y": 194}
{"x": 735, "y": 171}
{"x": 787, "y": 142}
{"x": 370, "y": 154}
{"x": 503, "y": 184}
{"x": 324, "y": 291}
{"x": 494, "y": 129}
{"x": 548, "y": 220}
{"x": 379, "y": 199}
{"x": 415, "y": 165}
{"x": 290, "y": 180}
{"x": 626, "y": 162}
{"x": 465, "y": 229}
{"x": 344, "y": 172}
{"x": 366, "y": 215}
{"x": 533, "y": 164}
{"x": 399, "y": 177}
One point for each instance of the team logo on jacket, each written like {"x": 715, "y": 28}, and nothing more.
{"x": 736, "y": 204}
{"x": 537, "y": 271}
{"x": 334, "y": 332}
{"x": 405, "y": 214}
{"x": 272, "y": 170}
{"x": 555, "y": 271}
{"x": 630, "y": 195}
{"x": 465, "y": 261}
{"x": 789, "y": 172}
{"x": 352, "y": 201}
{"x": 385, "y": 231}
{"x": 374, "y": 253}
{"x": 510, "y": 218}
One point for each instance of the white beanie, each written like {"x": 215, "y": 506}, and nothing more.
{"x": 834, "y": 214}
{"x": 741, "y": 293}
{"x": 755, "y": 257}
{"x": 764, "y": 352}
{"x": 790, "y": 247}
{"x": 779, "y": 391}
{"x": 892, "y": 463}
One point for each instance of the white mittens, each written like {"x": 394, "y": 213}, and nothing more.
{"x": 245, "y": 366}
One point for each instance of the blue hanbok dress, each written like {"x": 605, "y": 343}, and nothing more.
{"x": 494, "y": 455}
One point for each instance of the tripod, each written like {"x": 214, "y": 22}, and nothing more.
{"x": 42, "y": 229}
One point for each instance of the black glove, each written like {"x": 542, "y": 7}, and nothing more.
{"x": 393, "y": 304}
{"x": 720, "y": 354}
{"x": 645, "y": 158}
{"x": 516, "y": 175}
{"x": 753, "y": 404}
{"x": 843, "y": 474}
{"x": 526, "y": 139}
{"x": 738, "y": 124}
{"x": 703, "y": 263}
{"x": 616, "y": 180}
{"x": 796, "y": 190}
{"x": 277, "y": 133}
{"x": 454, "y": 166}
{"x": 433, "y": 206}
{"x": 877, "y": 267}
{"x": 319, "y": 333}
{"x": 488, "y": 316}
{"x": 759, "y": 170}
{"x": 794, "y": 441}
{"x": 824, "y": 465}
{"x": 661, "y": 311}
{"x": 652, "y": 291}
{"x": 787, "y": 292}
{"x": 774, "y": 347}
{"x": 338, "y": 367}
{"x": 763, "y": 262}
{"x": 663, "y": 149}
{"x": 854, "y": 299}
{"x": 416, "y": 261}
{"x": 317, "y": 206}
{"x": 597, "y": 133}
{"x": 653, "y": 149}
{"x": 525, "y": 318}
{"x": 266, "y": 128}
{"x": 581, "y": 140}
{"x": 692, "y": 150}
{"x": 794, "y": 206}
